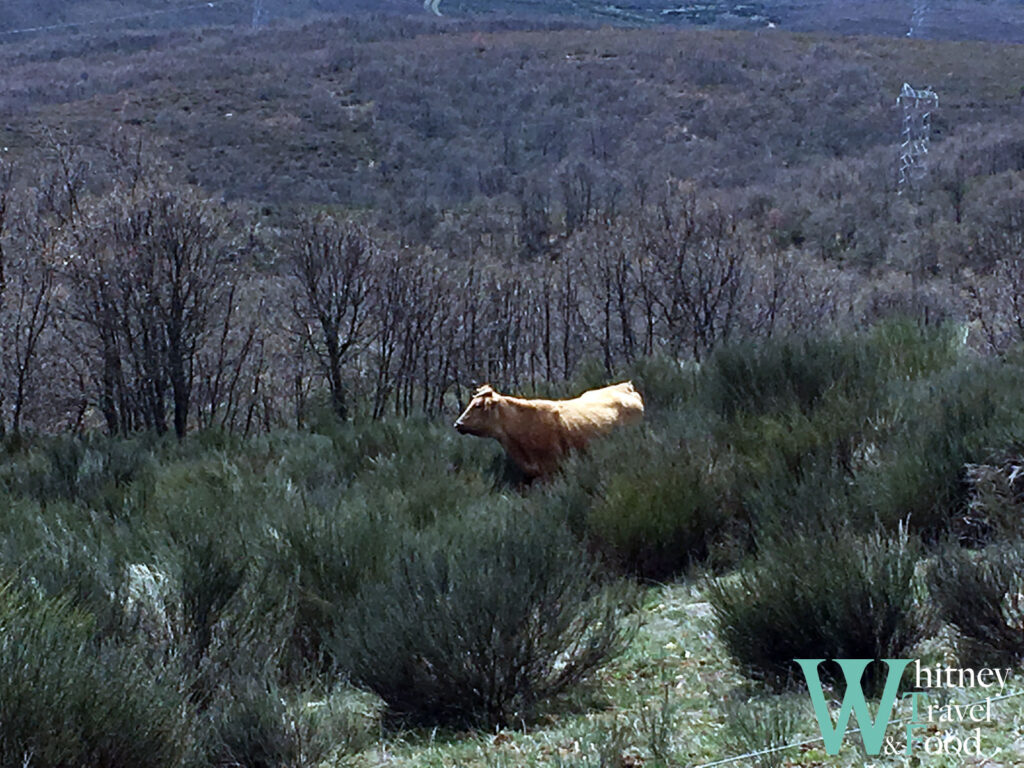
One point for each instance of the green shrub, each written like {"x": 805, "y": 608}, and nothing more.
{"x": 653, "y": 500}
{"x": 360, "y": 444}
{"x": 760, "y": 725}
{"x": 221, "y": 627}
{"x": 263, "y": 726}
{"x": 823, "y": 595}
{"x": 420, "y": 485}
{"x": 68, "y": 699}
{"x": 816, "y": 492}
{"x": 995, "y": 504}
{"x": 253, "y": 730}
{"x": 479, "y": 621}
{"x": 659, "y": 512}
{"x": 664, "y": 383}
{"x": 305, "y": 461}
{"x": 946, "y": 422}
{"x": 413, "y": 458}
{"x": 211, "y": 583}
{"x": 982, "y": 595}
{"x": 801, "y": 372}
{"x": 328, "y": 554}
{"x": 785, "y": 448}
{"x": 94, "y": 470}
{"x": 908, "y": 350}
{"x": 63, "y": 550}
{"x": 205, "y": 484}
{"x": 884, "y": 448}
{"x": 776, "y": 375}
{"x": 867, "y": 428}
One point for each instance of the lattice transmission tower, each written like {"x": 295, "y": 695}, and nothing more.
{"x": 259, "y": 14}
{"x": 917, "y": 18}
{"x": 918, "y": 106}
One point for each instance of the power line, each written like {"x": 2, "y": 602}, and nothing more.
{"x": 128, "y": 17}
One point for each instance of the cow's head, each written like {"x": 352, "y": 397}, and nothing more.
{"x": 481, "y": 415}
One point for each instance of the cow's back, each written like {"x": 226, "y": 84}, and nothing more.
{"x": 601, "y": 409}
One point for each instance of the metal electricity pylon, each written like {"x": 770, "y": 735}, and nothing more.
{"x": 918, "y": 106}
{"x": 917, "y": 19}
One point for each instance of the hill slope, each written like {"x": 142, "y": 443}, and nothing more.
{"x": 1000, "y": 20}
{"x": 426, "y": 118}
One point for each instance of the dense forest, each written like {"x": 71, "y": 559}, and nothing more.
{"x": 250, "y": 272}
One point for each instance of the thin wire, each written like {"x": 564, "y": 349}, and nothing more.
{"x": 129, "y": 17}
{"x": 769, "y": 750}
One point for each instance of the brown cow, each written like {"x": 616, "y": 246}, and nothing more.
{"x": 536, "y": 434}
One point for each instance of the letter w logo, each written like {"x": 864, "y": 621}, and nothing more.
{"x": 872, "y": 731}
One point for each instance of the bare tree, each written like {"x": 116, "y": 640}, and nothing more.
{"x": 533, "y": 227}
{"x": 570, "y": 318}
{"x": 611, "y": 277}
{"x": 28, "y": 243}
{"x": 223, "y": 364}
{"x": 28, "y": 314}
{"x": 94, "y": 327}
{"x": 26, "y": 294}
{"x": 331, "y": 265}
{"x": 701, "y": 264}
{"x": 60, "y": 194}
{"x": 388, "y": 322}
{"x": 192, "y": 283}
{"x": 150, "y": 280}
{"x": 577, "y": 186}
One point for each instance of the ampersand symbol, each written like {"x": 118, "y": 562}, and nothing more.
{"x": 890, "y": 746}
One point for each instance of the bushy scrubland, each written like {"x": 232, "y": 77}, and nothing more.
{"x": 240, "y": 589}
{"x": 276, "y": 600}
